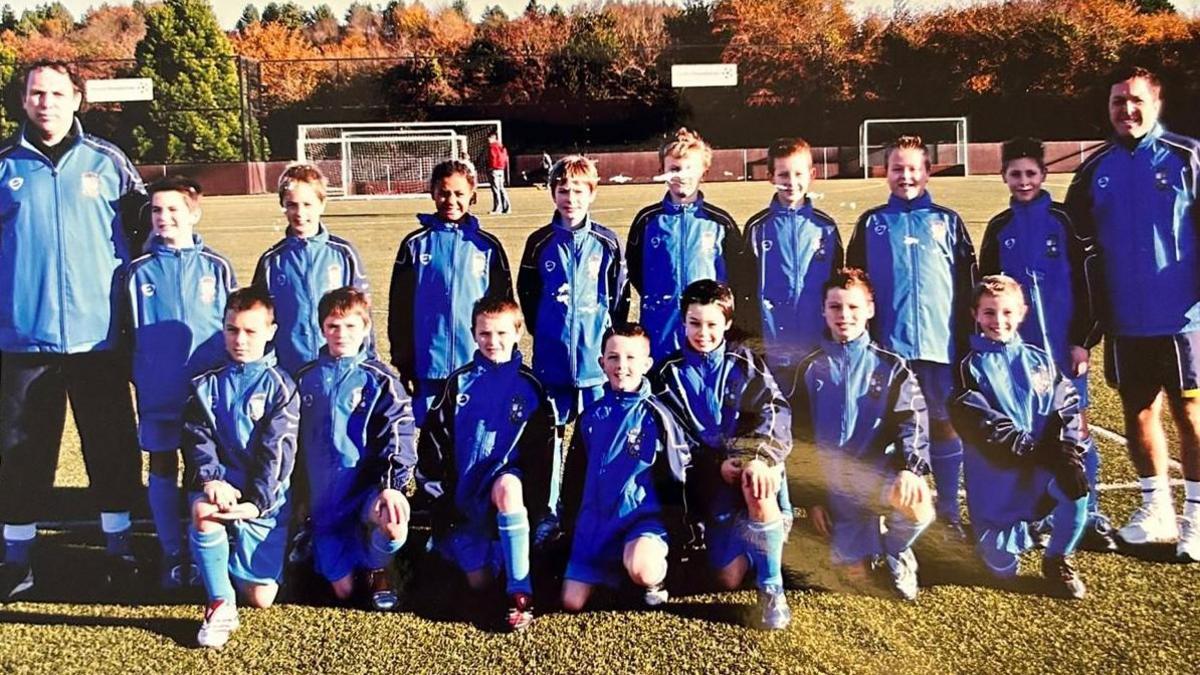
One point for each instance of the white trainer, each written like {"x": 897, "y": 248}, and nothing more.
{"x": 220, "y": 620}
{"x": 1188, "y": 548}
{"x": 1152, "y": 523}
{"x": 656, "y": 595}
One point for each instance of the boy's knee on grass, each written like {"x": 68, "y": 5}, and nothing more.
{"x": 344, "y": 587}
{"x": 507, "y": 493}
{"x": 731, "y": 576}
{"x": 575, "y": 595}
{"x": 645, "y": 561}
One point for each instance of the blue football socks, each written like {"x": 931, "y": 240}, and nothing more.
{"x": 380, "y": 549}
{"x": 117, "y": 527}
{"x": 18, "y": 543}
{"x": 901, "y": 533}
{"x": 210, "y": 551}
{"x": 1070, "y": 516}
{"x": 765, "y": 548}
{"x": 167, "y": 510}
{"x": 1091, "y": 467}
{"x": 947, "y": 460}
{"x": 514, "y": 541}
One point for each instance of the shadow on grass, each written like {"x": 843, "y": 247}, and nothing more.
{"x": 180, "y": 631}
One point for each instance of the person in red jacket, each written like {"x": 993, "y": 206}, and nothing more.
{"x": 498, "y": 165}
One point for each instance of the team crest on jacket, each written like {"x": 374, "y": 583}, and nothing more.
{"x": 208, "y": 289}
{"x": 355, "y": 397}
{"x": 147, "y": 290}
{"x": 1052, "y": 246}
{"x": 633, "y": 442}
{"x": 875, "y": 387}
{"x": 1041, "y": 380}
{"x": 516, "y": 410}
{"x": 938, "y": 226}
{"x": 1161, "y": 181}
{"x": 15, "y": 183}
{"x": 333, "y": 276}
{"x": 89, "y": 184}
{"x": 258, "y": 406}
{"x": 479, "y": 264}
{"x": 593, "y": 265}
{"x": 708, "y": 242}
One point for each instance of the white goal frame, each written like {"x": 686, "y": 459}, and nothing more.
{"x": 342, "y": 181}
{"x": 961, "y": 139}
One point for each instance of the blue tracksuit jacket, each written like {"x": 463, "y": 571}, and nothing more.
{"x": 730, "y": 406}
{"x": 356, "y": 434}
{"x": 860, "y": 407}
{"x": 441, "y": 271}
{"x": 1011, "y": 404}
{"x": 296, "y": 273}
{"x": 922, "y": 265}
{"x": 794, "y": 251}
{"x": 572, "y": 288}
{"x": 627, "y": 461}
{"x": 240, "y": 426}
{"x": 1036, "y": 244}
{"x": 670, "y": 246}
{"x": 1138, "y": 208}
{"x": 492, "y": 419}
{"x": 63, "y": 244}
{"x": 177, "y": 299}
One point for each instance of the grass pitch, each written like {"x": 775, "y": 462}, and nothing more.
{"x": 1140, "y": 615}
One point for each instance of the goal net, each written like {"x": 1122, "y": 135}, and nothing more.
{"x": 391, "y": 159}
{"x": 946, "y": 138}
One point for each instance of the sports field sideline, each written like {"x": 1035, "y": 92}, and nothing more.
{"x": 1140, "y": 616}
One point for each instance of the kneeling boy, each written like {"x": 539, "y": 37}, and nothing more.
{"x": 618, "y": 481}
{"x": 861, "y": 407}
{"x": 240, "y": 446}
{"x": 485, "y": 452}
{"x": 356, "y": 442}
{"x": 740, "y": 424}
{"x": 1020, "y": 418}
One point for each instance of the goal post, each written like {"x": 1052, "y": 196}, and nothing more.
{"x": 325, "y": 145}
{"x": 381, "y": 165}
{"x": 946, "y": 138}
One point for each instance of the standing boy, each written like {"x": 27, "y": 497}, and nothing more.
{"x": 356, "y": 442}
{"x": 794, "y": 249}
{"x": 1034, "y": 242}
{"x": 1024, "y": 451}
{"x": 922, "y": 265}
{"x": 572, "y": 289}
{"x": 485, "y": 452}
{"x": 177, "y": 296}
{"x": 862, "y": 409}
{"x": 740, "y": 428}
{"x": 308, "y": 263}
{"x": 240, "y": 446}
{"x": 625, "y": 468}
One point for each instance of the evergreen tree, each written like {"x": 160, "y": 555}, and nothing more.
{"x": 250, "y": 16}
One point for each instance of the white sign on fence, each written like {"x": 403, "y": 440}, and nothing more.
{"x": 704, "y": 75}
{"x": 120, "y": 89}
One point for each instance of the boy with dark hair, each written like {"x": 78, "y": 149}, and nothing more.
{"x": 1034, "y": 242}
{"x": 442, "y": 269}
{"x": 794, "y": 248}
{"x": 922, "y": 265}
{"x": 305, "y": 265}
{"x": 626, "y": 467}
{"x": 356, "y": 443}
{"x": 177, "y": 297}
{"x": 1020, "y": 418}
{"x": 485, "y": 452}
{"x": 740, "y": 429}
{"x": 239, "y": 444}
{"x": 861, "y": 410}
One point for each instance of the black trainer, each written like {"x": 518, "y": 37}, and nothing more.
{"x": 1063, "y": 579}
{"x": 15, "y": 579}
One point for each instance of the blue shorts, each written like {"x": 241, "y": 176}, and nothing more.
{"x": 340, "y": 548}
{"x": 598, "y": 557}
{"x": 160, "y": 434}
{"x": 569, "y": 402}
{"x": 472, "y": 546}
{"x": 937, "y": 385}
{"x": 258, "y": 547}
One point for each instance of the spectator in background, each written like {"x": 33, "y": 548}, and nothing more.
{"x": 498, "y": 165}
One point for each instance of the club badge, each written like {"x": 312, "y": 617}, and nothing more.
{"x": 656, "y": 242}
{"x": 307, "y": 400}
{"x": 258, "y": 407}
{"x": 479, "y": 264}
{"x": 1041, "y": 379}
{"x": 633, "y": 442}
{"x": 89, "y": 184}
{"x": 516, "y": 410}
{"x": 938, "y": 226}
{"x": 355, "y": 397}
{"x": 1102, "y": 182}
{"x": 1161, "y": 181}
{"x": 708, "y": 242}
{"x": 1052, "y": 249}
{"x": 593, "y": 265}
{"x": 1009, "y": 243}
{"x": 550, "y": 265}
{"x": 333, "y": 276}
{"x": 208, "y": 289}
{"x": 875, "y": 386}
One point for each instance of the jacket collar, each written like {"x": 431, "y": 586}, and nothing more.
{"x": 430, "y": 221}
{"x": 326, "y": 358}
{"x": 1041, "y": 201}
{"x": 921, "y": 201}
{"x": 708, "y": 360}
{"x": 628, "y": 397}
{"x": 321, "y": 237}
{"x": 805, "y": 208}
{"x": 255, "y": 367}
{"x": 157, "y": 245}
{"x": 838, "y": 349}
{"x": 982, "y": 343}
{"x": 73, "y": 137}
{"x": 487, "y": 364}
{"x": 560, "y": 226}
{"x": 672, "y": 208}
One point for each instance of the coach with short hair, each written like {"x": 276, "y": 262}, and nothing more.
{"x": 68, "y": 204}
{"x": 1135, "y": 201}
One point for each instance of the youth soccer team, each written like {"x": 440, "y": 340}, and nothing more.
{"x": 882, "y": 362}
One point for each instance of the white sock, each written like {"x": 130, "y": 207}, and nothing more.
{"x": 1155, "y": 489}
{"x": 1191, "y": 491}
{"x": 114, "y": 521}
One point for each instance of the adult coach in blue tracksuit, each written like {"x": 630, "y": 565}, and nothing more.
{"x": 671, "y": 245}
{"x": 1135, "y": 201}
{"x": 69, "y": 203}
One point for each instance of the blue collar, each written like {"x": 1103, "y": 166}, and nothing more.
{"x": 254, "y": 367}
{"x": 157, "y": 245}
{"x": 982, "y": 343}
{"x": 487, "y": 364}
{"x": 579, "y": 230}
{"x": 1040, "y": 202}
{"x": 805, "y": 209}
{"x": 706, "y": 360}
{"x": 673, "y": 208}
{"x": 321, "y": 237}
{"x": 341, "y": 361}
{"x": 628, "y": 397}
{"x": 853, "y": 348}
{"x": 431, "y": 221}
{"x": 921, "y": 201}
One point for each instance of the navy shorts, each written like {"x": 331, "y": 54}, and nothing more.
{"x": 1170, "y": 362}
{"x": 937, "y": 385}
